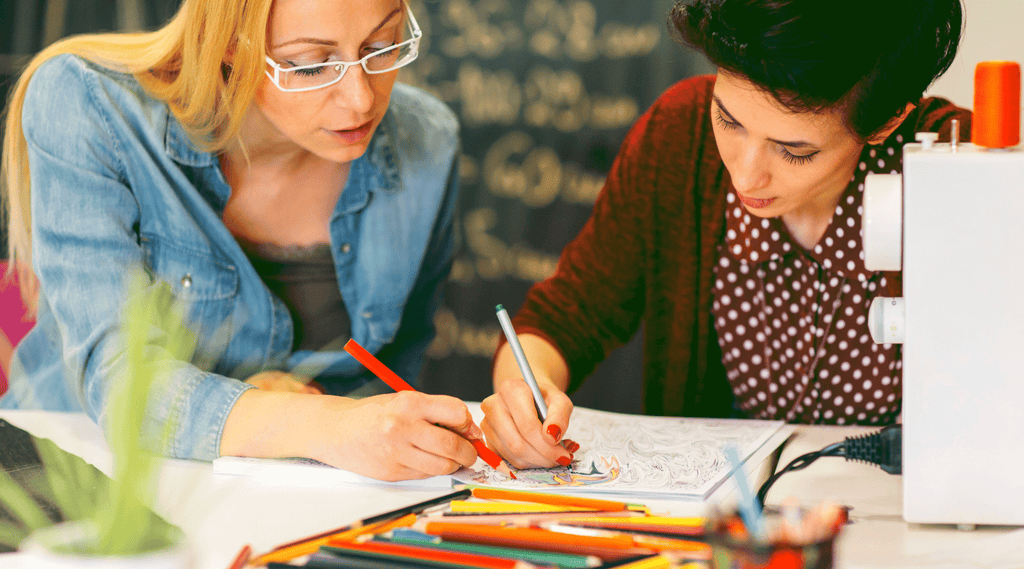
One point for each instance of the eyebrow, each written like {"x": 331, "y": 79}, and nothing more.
{"x": 331, "y": 43}
{"x": 787, "y": 143}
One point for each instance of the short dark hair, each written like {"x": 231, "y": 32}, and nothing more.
{"x": 867, "y": 58}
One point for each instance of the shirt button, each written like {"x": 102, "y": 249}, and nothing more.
{"x": 186, "y": 281}
{"x": 367, "y": 314}
{"x": 345, "y": 248}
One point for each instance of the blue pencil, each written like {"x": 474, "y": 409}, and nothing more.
{"x": 750, "y": 510}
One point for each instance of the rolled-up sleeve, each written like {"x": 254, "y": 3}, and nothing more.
{"x": 86, "y": 246}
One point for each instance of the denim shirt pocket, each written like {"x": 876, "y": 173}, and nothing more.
{"x": 206, "y": 286}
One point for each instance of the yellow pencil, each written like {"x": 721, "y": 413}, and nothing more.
{"x": 690, "y": 522}
{"x": 464, "y": 507}
{"x": 653, "y": 562}
{"x": 548, "y": 498}
{"x": 522, "y": 519}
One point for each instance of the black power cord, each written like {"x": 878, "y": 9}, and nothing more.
{"x": 883, "y": 449}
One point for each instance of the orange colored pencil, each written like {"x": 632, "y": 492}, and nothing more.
{"x": 547, "y": 498}
{"x": 657, "y": 543}
{"x": 305, "y": 547}
{"x": 411, "y": 552}
{"x": 391, "y": 378}
{"x": 608, "y": 548}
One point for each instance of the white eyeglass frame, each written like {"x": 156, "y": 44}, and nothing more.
{"x": 414, "y": 41}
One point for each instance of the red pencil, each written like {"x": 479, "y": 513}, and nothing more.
{"x": 391, "y": 378}
{"x": 242, "y": 558}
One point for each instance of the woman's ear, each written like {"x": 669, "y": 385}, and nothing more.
{"x": 894, "y": 123}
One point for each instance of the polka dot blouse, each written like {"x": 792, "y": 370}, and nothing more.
{"x": 792, "y": 323}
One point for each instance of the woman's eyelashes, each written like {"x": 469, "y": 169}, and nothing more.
{"x": 726, "y": 124}
{"x": 377, "y": 52}
{"x": 796, "y": 158}
{"x": 788, "y": 156}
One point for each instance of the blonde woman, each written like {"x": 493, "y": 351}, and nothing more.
{"x": 259, "y": 158}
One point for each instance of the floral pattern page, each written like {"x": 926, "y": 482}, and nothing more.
{"x": 665, "y": 457}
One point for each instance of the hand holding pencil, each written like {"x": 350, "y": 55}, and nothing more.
{"x": 395, "y": 436}
{"x": 529, "y": 412}
{"x": 466, "y": 428}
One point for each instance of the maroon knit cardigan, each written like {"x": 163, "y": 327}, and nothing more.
{"x": 648, "y": 251}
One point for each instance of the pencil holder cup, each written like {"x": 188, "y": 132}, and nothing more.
{"x": 796, "y": 539}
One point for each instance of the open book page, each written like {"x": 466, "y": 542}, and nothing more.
{"x": 309, "y": 472}
{"x": 654, "y": 457}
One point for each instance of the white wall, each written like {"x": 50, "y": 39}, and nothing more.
{"x": 994, "y": 29}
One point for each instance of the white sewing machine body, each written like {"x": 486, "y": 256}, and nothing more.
{"x": 961, "y": 324}
{"x": 963, "y": 352}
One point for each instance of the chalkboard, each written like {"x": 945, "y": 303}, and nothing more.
{"x": 545, "y": 91}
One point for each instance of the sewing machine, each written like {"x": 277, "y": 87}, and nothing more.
{"x": 958, "y": 212}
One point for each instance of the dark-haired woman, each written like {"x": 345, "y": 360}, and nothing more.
{"x": 729, "y": 226}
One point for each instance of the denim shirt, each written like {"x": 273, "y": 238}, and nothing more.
{"x": 117, "y": 186}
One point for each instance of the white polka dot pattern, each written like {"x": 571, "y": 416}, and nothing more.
{"x": 792, "y": 323}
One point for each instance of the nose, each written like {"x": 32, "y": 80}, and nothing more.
{"x": 750, "y": 171}
{"x": 354, "y": 91}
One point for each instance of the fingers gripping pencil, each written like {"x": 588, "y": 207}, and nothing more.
{"x": 389, "y": 377}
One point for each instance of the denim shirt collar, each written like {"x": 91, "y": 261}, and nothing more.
{"x": 180, "y": 147}
{"x": 375, "y": 170}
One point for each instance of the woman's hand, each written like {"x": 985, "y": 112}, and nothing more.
{"x": 398, "y": 436}
{"x": 283, "y": 382}
{"x": 515, "y": 431}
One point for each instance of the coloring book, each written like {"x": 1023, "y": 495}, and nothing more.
{"x": 654, "y": 457}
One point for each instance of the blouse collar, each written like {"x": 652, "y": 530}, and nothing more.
{"x": 753, "y": 240}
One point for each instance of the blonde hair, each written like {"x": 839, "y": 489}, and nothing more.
{"x": 206, "y": 64}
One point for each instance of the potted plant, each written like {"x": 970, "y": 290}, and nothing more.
{"x": 108, "y": 522}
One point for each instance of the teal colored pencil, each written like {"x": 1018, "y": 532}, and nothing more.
{"x": 540, "y": 557}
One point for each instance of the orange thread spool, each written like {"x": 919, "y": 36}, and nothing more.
{"x": 996, "y": 121}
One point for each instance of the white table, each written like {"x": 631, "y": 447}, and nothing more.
{"x": 221, "y": 514}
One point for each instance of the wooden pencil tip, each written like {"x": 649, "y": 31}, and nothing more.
{"x": 504, "y": 469}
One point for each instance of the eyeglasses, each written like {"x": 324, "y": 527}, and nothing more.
{"x": 320, "y": 75}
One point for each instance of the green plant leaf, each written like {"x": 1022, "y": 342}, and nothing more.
{"x": 155, "y": 342}
{"x": 11, "y": 535}
{"x": 19, "y": 503}
{"x": 155, "y": 338}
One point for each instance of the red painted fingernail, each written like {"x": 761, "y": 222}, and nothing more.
{"x": 575, "y": 447}
{"x": 563, "y": 460}
{"x": 555, "y": 431}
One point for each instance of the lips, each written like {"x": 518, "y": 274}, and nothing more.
{"x": 353, "y": 135}
{"x": 363, "y": 126}
{"x": 754, "y": 202}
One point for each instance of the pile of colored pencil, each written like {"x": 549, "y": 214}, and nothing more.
{"x": 504, "y": 529}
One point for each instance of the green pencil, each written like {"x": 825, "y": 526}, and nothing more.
{"x": 568, "y": 560}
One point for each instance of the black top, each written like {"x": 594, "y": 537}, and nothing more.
{"x": 304, "y": 278}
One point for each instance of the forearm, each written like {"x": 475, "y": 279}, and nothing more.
{"x": 545, "y": 361}
{"x": 277, "y": 424}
